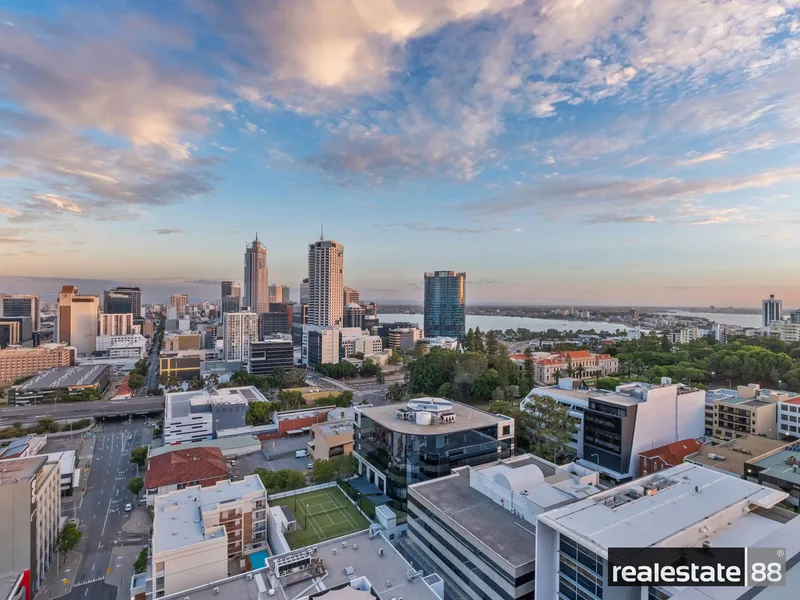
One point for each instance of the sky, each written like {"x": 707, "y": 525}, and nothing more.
{"x": 640, "y": 152}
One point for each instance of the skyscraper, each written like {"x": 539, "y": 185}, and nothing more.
{"x": 77, "y": 319}
{"x": 325, "y": 283}
{"x": 351, "y": 296}
{"x": 230, "y": 304}
{"x": 21, "y": 305}
{"x": 239, "y": 330}
{"x": 123, "y": 299}
{"x": 771, "y": 310}
{"x": 279, "y": 293}
{"x": 179, "y": 301}
{"x": 236, "y": 289}
{"x": 445, "y": 296}
{"x": 305, "y": 293}
{"x": 226, "y": 289}
{"x": 256, "y": 289}
{"x": 353, "y": 315}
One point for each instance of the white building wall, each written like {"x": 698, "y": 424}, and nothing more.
{"x": 192, "y": 566}
{"x": 191, "y": 428}
{"x": 788, "y": 419}
{"x": 239, "y": 330}
{"x": 83, "y": 325}
{"x": 116, "y": 324}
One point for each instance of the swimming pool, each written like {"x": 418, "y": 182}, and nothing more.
{"x": 259, "y": 559}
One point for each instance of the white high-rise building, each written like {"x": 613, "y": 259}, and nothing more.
{"x": 326, "y": 283}
{"x": 771, "y": 310}
{"x": 112, "y": 324}
{"x": 76, "y": 320}
{"x": 179, "y": 301}
{"x": 240, "y": 329}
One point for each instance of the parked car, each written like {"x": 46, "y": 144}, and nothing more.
{"x": 128, "y": 507}
{"x": 310, "y": 466}
{"x": 301, "y": 454}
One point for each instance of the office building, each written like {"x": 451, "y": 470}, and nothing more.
{"x": 230, "y": 304}
{"x": 771, "y": 311}
{"x": 284, "y": 307}
{"x": 351, "y": 296}
{"x": 256, "y": 287}
{"x": 321, "y": 345}
{"x": 30, "y": 502}
{"x": 124, "y": 299}
{"x": 477, "y": 526}
{"x": 16, "y": 363}
{"x": 358, "y": 341}
{"x": 325, "y": 279}
{"x": 180, "y": 302}
{"x": 330, "y": 439}
{"x": 239, "y": 330}
{"x": 181, "y": 468}
{"x": 353, "y": 315}
{"x": 794, "y": 316}
{"x": 60, "y": 382}
{"x": 22, "y": 305}
{"x": 404, "y": 339}
{"x": 116, "y": 324}
{"x": 19, "y": 328}
{"x": 198, "y": 530}
{"x": 270, "y": 323}
{"x": 747, "y": 409}
{"x": 226, "y": 289}
{"x": 133, "y": 345}
{"x": 279, "y": 293}
{"x": 182, "y": 341}
{"x": 9, "y": 334}
{"x": 269, "y": 355}
{"x": 397, "y": 446}
{"x": 76, "y": 320}
{"x": 788, "y": 415}
{"x": 445, "y": 296}
{"x": 305, "y": 291}
{"x": 198, "y": 415}
{"x": 685, "y": 506}
{"x": 183, "y": 365}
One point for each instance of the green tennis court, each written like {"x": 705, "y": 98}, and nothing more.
{"x": 321, "y": 515}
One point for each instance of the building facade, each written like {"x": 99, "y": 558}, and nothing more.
{"x": 268, "y": 356}
{"x": 325, "y": 283}
{"x": 351, "y": 296}
{"x": 179, "y": 302}
{"x": 116, "y": 324}
{"x": 330, "y": 439}
{"x": 404, "y": 338}
{"x": 270, "y": 323}
{"x": 9, "y": 334}
{"x": 445, "y": 297}
{"x": 746, "y": 410}
{"x": 76, "y": 320}
{"x": 230, "y": 304}
{"x": 183, "y": 365}
{"x": 256, "y": 286}
{"x": 771, "y": 311}
{"x": 183, "y": 341}
{"x": 321, "y": 345}
{"x": 353, "y": 315}
{"x": 16, "y": 363}
{"x": 279, "y": 293}
{"x": 22, "y": 305}
{"x": 239, "y": 331}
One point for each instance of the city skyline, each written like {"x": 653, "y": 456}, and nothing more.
{"x": 612, "y": 155}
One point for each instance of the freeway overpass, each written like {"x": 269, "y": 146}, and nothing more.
{"x": 81, "y": 410}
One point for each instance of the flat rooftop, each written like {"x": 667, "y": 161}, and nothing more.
{"x": 466, "y": 509}
{"x": 17, "y": 470}
{"x": 731, "y": 456}
{"x": 178, "y": 515}
{"x": 777, "y": 465}
{"x": 334, "y": 427}
{"x": 613, "y": 519}
{"x": 179, "y": 404}
{"x": 61, "y": 377}
{"x": 467, "y": 417}
{"x": 390, "y": 568}
{"x": 556, "y": 392}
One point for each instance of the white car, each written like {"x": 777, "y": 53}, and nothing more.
{"x": 128, "y": 507}
{"x": 310, "y": 466}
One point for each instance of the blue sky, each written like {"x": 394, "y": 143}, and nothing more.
{"x": 575, "y": 151}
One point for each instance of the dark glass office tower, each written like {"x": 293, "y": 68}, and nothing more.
{"x": 122, "y": 300}
{"x": 445, "y": 296}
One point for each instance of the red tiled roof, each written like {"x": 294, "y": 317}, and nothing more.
{"x": 516, "y": 356}
{"x": 579, "y": 354}
{"x": 550, "y": 361}
{"x": 674, "y": 453}
{"x": 183, "y": 466}
{"x": 795, "y": 400}
{"x": 604, "y": 357}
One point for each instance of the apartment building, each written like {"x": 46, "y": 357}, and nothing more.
{"x": 787, "y": 331}
{"x": 477, "y": 526}
{"x": 789, "y": 416}
{"x": 357, "y": 341}
{"x": 330, "y": 439}
{"x": 184, "y": 365}
{"x": 239, "y": 331}
{"x": 182, "y": 341}
{"x": 398, "y": 445}
{"x": 17, "y": 362}
{"x": 181, "y": 468}
{"x": 115, "y": 324}
{"x": 747, "y": 409}
{"x": 321, "y": 345}
{"x": 195, "y": 416}
{"x": 685, "y": 336}
{"x": 404, "y": 338}
{"x": 685, "y": 506}
{"x": 30, "y": 502}
{"x": 198, "y": 530}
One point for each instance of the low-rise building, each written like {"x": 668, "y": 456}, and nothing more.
{"x": 61, "y": 381}
{"x": 198, "y": 530}
{"x": 17, "y": 362}
{"x": 269, "y": 355}
{"x": 30, "y": 502}
{"x": 448, "y": 343}
{"x": 183, "y": 467}
{"x": 478, "y": 525}
{"x": 578, "y": 364}
{"x": 184, "y": 365}
{"x": 198, "y": 415}
{"x": 731, "y": 456}
{"x": 360, "y": 343}
{"x": 667, "y": 456}
{"x": 133, "y": 345}
{"x": 789, "y": 416}
{"x": 232, "y": 447}
{"x": 778, "y": 469}
{"x": 182, "y": 341}
{"x": 404, "y": 339}
{"x": 746, "y": 410}
{"x": 330, "y": 439}
{"x": 20, "y": 447}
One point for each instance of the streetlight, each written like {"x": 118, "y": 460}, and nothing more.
{"x": 597, "y": 462}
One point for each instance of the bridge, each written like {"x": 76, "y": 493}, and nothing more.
{"x": 30, "y": 414}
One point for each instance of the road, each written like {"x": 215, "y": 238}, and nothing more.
{"x": 151, "y": 379}
{"x": 80, "y": 410}
{"x": 101, "y": 511}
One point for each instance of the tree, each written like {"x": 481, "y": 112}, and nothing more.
{"x": 281, "y": 481}
{"x": 338, "y": 467}
{"x": 135, "y": 485}
{"x": 135, "y": 382}
{"x": 477, "y": 342}
{"x": 380, "y": 379}
{"x": 2, "y": 393}
{"x": 499, "y": 394}
{"x": 139, "y": 456}
{"x": 551, "y": 428}
{"x": 259, "y": 413}
{"x": 395, "y": 358}
{"x": 140, "y": 566}
{"x": 529, "y": 371}
{"x": 68, "y": 538}
{"x": 492, "y": 343}
{"x": 395, "y": 393}
{"x": 290, "y": 400}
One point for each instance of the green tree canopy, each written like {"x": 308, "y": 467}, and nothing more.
{"x": 68, "y": 538}
{"x": 135, "y": 485}
{"x": 139, "y": 456}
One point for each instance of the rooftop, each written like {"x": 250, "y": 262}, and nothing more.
{"x": 61, "y": 377}
{"x": 179, "y": 404}
{"x": 783, "y": 465}
{"x": 466, "y": 418}
{"x": 334, "y": 427}
{"x": 674, "y": 453}
{"x": 178, "y": 515}
{"x": 232, "y": 443}
{"x": 182, "y": 466}
{"x": 65, "y": 460}
{"x": 387, "y": 574}
{"x": 16, "y": 470}
{"x": 685, "y": 495}
{"x": 731, "y": 456}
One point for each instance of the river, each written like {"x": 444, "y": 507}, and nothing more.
{"x": 724, "y": 318}
{"x": 486, "y": 322}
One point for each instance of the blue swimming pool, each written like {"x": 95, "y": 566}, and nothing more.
{"x": 259, "y": 559}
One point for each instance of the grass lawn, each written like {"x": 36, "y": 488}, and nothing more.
{"x": 321, "y": 515}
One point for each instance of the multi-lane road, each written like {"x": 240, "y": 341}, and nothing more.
{"x": 81, "y": 410}
{"x": 101, "y": 511}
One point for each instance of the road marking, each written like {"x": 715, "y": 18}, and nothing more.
{"x": 92, "y": 568}
{"x": 86, "y": 593}
{"x": 106, "y": 519}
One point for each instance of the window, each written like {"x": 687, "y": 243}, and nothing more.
{"x": 506, "y": 429}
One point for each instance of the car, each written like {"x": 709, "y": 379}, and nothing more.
{"x": 310, "y": 466}
{"x": 128, "y": 507}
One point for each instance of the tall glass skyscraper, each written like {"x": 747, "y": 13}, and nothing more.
{"x": 445, "y": 296}
{"x": 256, "y": 295}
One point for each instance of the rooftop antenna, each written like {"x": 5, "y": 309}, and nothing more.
{"x": 321, "y": 234}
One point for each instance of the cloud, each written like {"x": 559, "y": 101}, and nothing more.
{"x": 167, "y": 231}
{"x": 442, "y": 228}
{"x": 696, "y": 159}
{"x": 626, "y": 219}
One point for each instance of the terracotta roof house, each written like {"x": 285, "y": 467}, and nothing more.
{"x": 669, "y": 455}
{"x": 183, "y": 468}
